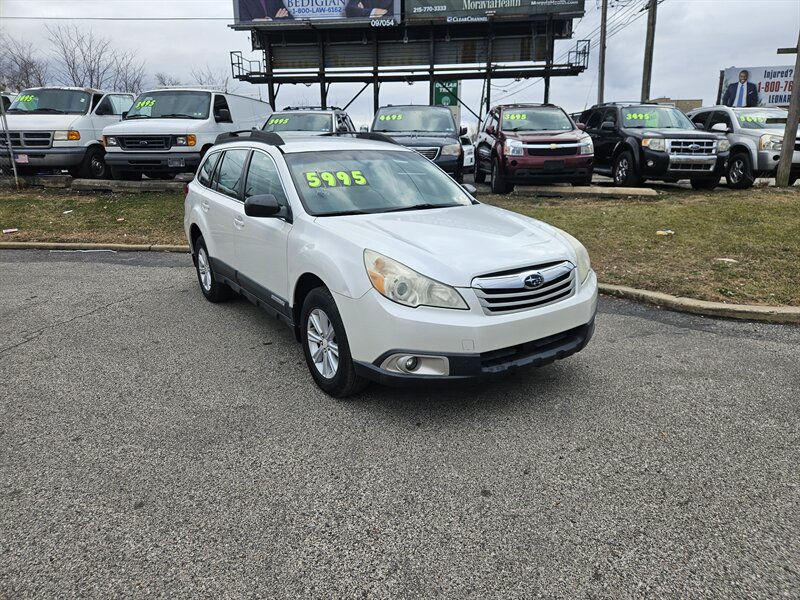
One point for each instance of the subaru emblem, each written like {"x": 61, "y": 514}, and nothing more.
{"x": 534, "y": 280}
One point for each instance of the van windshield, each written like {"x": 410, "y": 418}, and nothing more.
{"x": 51, "y": 101}
{"x": 414, "y": 119}
{"x": 171, "y": 105}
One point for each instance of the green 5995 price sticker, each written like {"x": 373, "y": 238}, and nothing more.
{"x": 316, "y": 179}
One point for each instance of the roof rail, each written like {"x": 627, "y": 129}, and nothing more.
{"x": 311, "y": 108}
{"x": 268, "y": 137}
{"x": 627, "y": 103}
{"x": 363, "y": 135}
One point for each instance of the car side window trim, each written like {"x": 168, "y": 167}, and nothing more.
{"x": 213, "y": 156}
{"x": 283, "y": 201}
{"x": 220, "y": 163}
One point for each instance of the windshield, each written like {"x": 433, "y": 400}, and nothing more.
{"x": 52, "y": 101}
{"x": 421, "y": 119}
{"x": 299, "y": 122}
{"x": 535, "y": 119}
{"x": 761, "y": 119}
{"x": 171, "y": 105}
{"x": 652, "y": 117}
{"x": 371, "y": 181}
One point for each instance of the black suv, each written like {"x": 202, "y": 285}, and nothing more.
{"x": 635, "y": 142}
{"x": 430, "y": 130}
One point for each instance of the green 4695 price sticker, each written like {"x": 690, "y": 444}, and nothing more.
{"x": 394, "y": 117}
{"x": 316, "y": 179}
{"x": 278, "y": 121}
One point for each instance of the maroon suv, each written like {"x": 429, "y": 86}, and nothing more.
{"x": 532, "y": 143}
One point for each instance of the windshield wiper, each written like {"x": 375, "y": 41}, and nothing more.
{"x": 346, "y": 212}
{"x": 50, "y": 110}
{"x": 423, "y": 206}
{"x": 176, "y": 116}
{"x": 137, "y": 117}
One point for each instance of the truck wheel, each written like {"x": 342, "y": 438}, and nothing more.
{"x": 704, "y": 183}
{"x": 740, "y": 171}
{"x": 480, "y": 176}
{"x": 118, "y": 174}
{"x": 499, "y": 184}
{"x": 93, "y": 165}
{"x": 625, "y": 171}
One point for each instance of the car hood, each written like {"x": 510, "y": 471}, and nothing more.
{"x": 540, "y": 137}
{"x": 154, "y": 127}
{"x": 426, "y": 139}
{"x": 453, "y": 245}
{"x": 40, "y": 122}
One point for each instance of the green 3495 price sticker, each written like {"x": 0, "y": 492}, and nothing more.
{"x": 515, "y": 116}
{"x": 145, "y": 103}
{"x": 278, "y": 121}
{"x": 395, "y": 117}
{"x": 752, "y": 119}
{"x": 316, "y": 179}
{"x": 639, "y": 116}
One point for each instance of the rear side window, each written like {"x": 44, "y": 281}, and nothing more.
{"x": 230, "y": 174}
{"x": 594, "y": 120}
{"x": 207, "y": 168}
{"x": 263, "y": 178}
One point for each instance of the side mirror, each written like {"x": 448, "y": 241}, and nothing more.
{"x": 469, "y": 188}
{"x": 608, "y": 126}
{"x": 490, "y": 130}
{"x": 363, "y": 129}
{"x": 223, "y": 115}
{"x": 342, "y": 129}
{"x": 699, "y": 126}
{"x": 720, "y": 127}
{"x": 462, "y": 131}
{"x": 264, "y": 205}
{"x": 125, "y": 115}
{"x": 581, "y": 126}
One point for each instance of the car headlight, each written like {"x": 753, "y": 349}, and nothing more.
{"x": 723, "y": 145}
{"x": 586, "y": 147}
{"x": 109, "y": 140}
{"x": 185, "y": 140}
{"x": 770, "y": 142}
{"x": 405, "y": 286}
{"x": 584, "y": 264}
{"x": 63, "y": 136}
{"x": 451, "y": 150}
{"x": 656, "y": 144}
{"x": 514, "y": 148}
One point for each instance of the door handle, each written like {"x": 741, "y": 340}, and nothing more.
{"x": 238, "y": 222}
{"x": 204, "y": 205}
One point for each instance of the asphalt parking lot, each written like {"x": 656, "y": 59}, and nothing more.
{"x": 155, "y": 445}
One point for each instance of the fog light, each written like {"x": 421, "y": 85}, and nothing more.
{"x": 412, "y": 363}
{"x": 650, "y": 163}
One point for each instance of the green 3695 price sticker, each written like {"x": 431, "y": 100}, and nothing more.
{"x": 515, "y": 116}
{"x": 316, "y": 179}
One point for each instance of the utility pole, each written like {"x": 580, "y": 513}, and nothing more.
{"x": 790, "y": 133}
{"x": 601, "y": 76}
{"x": 648, "y": 49}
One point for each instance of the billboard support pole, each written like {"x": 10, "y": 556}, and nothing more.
{"x": 489, "y": 39}
{"x": 431, "y": 56}
{"x": 376, "y": 85}
{"x": 790, "y": 133}
{"x": 549, "y": 63}
{"x": 323, "y": 92}
{"x": 719, "y": 88}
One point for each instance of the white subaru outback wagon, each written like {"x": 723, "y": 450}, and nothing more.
{"x": 386, "y": 268}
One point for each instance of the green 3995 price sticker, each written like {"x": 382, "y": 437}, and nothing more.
{"x": 145, "y": 104}
{"x": 515, "y": 117}
{"x": 316, "y": 179}
{"x": 395, "y": 117}
{"x": 278, "y": 121}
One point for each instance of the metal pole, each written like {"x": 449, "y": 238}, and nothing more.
{"x": 431, "y": 52}
{"x": 648, "y": 49}
{"x": 601, "y": 76}
{"x": 489, "y": 39}
{"x": 8, "y": 143}
{"x": 550, "y": 54}
{"x": 790, "y": 133}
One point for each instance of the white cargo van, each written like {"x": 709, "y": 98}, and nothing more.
{"x": 167, "y": 131}
{"x": 61, "y": 127}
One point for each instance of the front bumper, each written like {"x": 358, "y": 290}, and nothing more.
{"x": 449, "y": 164}
{"x": 155, "y": 162}
{"x": 476, "y": 345}
{"x": 662, "y": 165}
{"x": 48, "y": 158}
{"x": 768, "y": 162}
{"x": 554, "y": 169}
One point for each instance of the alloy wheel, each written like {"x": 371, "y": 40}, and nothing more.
{"x": 322, "y": 343}
{"x": 204, "y": 269}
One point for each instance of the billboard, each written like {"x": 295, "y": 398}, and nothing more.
{"x": 763, "y": 86}
{"x": 476, "y": 11}
{"x": 275, "y": 12}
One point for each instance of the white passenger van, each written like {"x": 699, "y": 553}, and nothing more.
{"x": 167, "y": 131}
{"x": 54, "y": 128}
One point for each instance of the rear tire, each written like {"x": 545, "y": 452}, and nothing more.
{"x": 499, "y": 183}
{"x": 325, "y": 346}
{"x": 739, "y": 173}
{"x": 704, "y": 183}
{"x": 213, "y": 290}
{"x": 480, "y": 176}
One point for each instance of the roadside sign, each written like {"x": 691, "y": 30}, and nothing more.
{"x": 445, "y": 94}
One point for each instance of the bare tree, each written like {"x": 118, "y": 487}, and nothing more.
{"x": 164, "y": 80}
{"x": 87, "y": 60}
{"x": 208, "y": 77}
{"x": 20, "y": 68}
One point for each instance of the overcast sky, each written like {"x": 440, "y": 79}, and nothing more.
{"x": 694, "y": 40}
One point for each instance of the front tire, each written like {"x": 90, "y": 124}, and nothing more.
{"x": 499, "y": 183}
{"x": 325, "y": 346}
{"x": 93, "y": 165}
{"x": 480, "y": 176}
{"x": 625, "y": 174}
{"x": 739, "y": 174}
{"x": 213, "y": 290}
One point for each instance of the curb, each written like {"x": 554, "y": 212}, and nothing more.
{"x": 746, "y": 312}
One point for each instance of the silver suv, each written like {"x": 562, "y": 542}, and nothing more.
{"x": 309, "y": 120}
{"x": 756, "y": 137}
